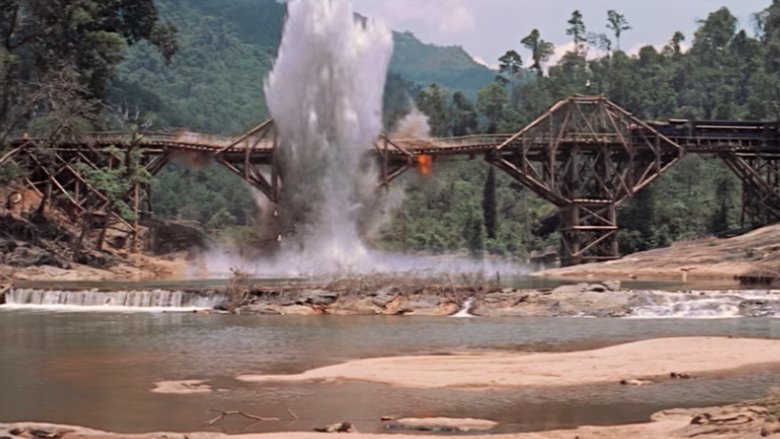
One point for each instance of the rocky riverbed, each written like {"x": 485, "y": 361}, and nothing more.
{"x": 607, "y": 299}
{"x": 421, "y": 297}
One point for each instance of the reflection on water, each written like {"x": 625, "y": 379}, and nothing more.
{"x": 97, "y": 369}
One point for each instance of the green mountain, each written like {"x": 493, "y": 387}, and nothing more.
{"x": 426, "y": 64}
{"x": 214, "y": 82}
{"x": 226, "y": 49}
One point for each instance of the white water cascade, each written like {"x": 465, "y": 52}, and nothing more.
{"x": 154, "y": 300}
{"x": 325, "y": 96}
{"x": 465, "y": 309}
{"x": 706, "y": 304}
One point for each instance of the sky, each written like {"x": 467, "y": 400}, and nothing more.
{"x": 488, "y": 28}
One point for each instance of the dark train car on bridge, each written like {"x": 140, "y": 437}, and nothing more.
{"x": 726, "y": 130}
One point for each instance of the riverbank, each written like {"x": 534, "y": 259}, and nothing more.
{"x": 129, "y": 268}
{"x": 752, "y": 257}
{"x": 43, "y": 248}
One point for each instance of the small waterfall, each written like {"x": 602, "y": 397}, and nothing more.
{"x": 465, "y": 309}
{"x": 706, "y": 304}
{"x": 151, "y": 300}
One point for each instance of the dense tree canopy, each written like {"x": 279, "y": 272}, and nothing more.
{"x": 88, "y": 37}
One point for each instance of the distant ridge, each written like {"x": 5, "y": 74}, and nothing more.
{"x": 450, "y": 66}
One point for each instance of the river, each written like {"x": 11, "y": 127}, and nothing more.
{"x": 97, "y": 369}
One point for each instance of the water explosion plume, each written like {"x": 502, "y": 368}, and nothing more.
{"x": 325, "y": 95}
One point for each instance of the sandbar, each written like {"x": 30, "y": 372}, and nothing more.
{"x": 642, "y": 359}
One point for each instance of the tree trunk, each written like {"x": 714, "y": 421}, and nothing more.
{"x": 104, "y": 230}
{"x": 86, "y": 225}
{"x": 45, "y": 198}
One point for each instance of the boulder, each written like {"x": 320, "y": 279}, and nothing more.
{"x": 635, "y": 382}
{"x": 298, "y": 310}
{"x": 222, "y": 306}
{"x": 339, "y": 427}
{"x": 568, "y": 289}
{"x": 759, "y": 308}
{"x": 458, "y": 425}
{"x": 382, "y": 298}
{"x": 364, "y": 306}
{"x": 770, "y": 428}
{"x": 420, "y": 302}
{"x": 27, "y": 256}
{"x": 94, "y": 259}
{"x": 262, "y": 308}
{"x": 494, "y": 297}
{"x": 318, "y": 297}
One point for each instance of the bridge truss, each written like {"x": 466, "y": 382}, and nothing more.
{"x": 585, "y": 155}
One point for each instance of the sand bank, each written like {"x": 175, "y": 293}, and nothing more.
{"x": 644, "y": 359}
{"x": 741, "y": 421}
{"x": 706, "y": 259}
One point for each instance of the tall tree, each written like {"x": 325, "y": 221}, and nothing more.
{"x": 719, "y": 221}
{"x": 618, "y": 24}
{"x": 489, "y": 204}
{"x": 492, "y": 101}
{"x": 464, "y": 118}
{"x": 600, "y": 41}
{"x": 675, "y": 44}
{"x": 510, "y": 63}
{"x": 541, "y": 50}
{"x": 715, "y": 33}
{"x": 474, "y": 232}
{"x": 769, "y": 24}
{"x": 577, "y": 31}
{"x": 433, "y": 103}
{"x": 510, "y": 67}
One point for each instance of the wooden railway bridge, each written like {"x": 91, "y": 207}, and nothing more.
{"x": 586, "y": 155}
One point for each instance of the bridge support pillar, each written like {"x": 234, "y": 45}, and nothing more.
{"x": 589, "y": 232}
{"x": 586, "y": 155}
{"x": 760, "y": 175}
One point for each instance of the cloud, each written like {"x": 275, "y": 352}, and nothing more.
{"x": 448, "y": 18}
{"x": 560, "y": 50}
{"x": 457, "y": 20}
{"x": 481, "y": 61}
{"x": 684, "y": 46}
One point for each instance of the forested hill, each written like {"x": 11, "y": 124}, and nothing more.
{"x": 227, "y": 47}
{"x": 427, "y": 64}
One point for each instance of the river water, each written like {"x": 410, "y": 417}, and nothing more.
{"x": 97, "y": 369}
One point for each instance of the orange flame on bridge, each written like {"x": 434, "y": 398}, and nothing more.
{"x": 424, "y": 162}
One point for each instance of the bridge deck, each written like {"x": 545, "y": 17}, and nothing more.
{"x": 695, "y": 137}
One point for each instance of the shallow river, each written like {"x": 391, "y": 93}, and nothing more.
{"x": 97, "y": 369}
